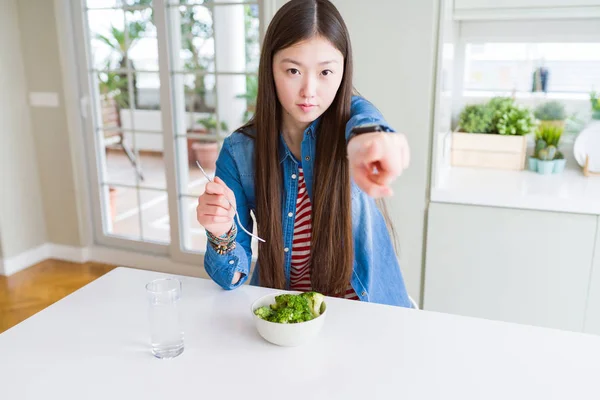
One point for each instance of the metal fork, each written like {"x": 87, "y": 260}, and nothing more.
{"x": 231, "y": 204}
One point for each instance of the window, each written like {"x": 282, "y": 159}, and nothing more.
{"x": 146, "y": 141}
{"x": 572, "y": 68}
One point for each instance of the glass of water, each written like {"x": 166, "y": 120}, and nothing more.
{"x": 166, "y": 333}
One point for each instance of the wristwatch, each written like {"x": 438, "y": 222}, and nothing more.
{"x": 368, "y": 128}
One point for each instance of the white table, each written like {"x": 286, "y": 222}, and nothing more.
{"x": 93, "y": 345}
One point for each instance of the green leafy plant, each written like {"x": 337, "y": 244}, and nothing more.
{"x": 595, "y": 102}
{"x": 551, "y": 134}
{"x": 500, "y": 115}
{"x": 113, "y": 85}
{"x": 120, "y": 44}
{"x": 498, "y": 106}
{"x": 475, "y": 118}
{"x": 550, "y": 111}
{"x": 515, "y": 120}
{"x": 210, "y": 123}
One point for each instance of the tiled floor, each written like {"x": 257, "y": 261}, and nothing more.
{"x": 153, "y": 216}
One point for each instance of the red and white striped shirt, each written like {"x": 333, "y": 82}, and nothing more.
{"x": 300, "y": 268}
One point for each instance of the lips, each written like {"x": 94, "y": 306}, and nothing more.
{"x": 306, "y": 107}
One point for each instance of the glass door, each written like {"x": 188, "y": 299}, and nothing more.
{"x": 164, "y": 82}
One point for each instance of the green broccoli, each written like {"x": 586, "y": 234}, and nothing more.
{"x": 291, "y": 308}
{"x": 315, "y": 300}
{"x": 281, "y": 301}
{"x": 264, "y": 312}
{"x": 283, "y": 316}
{"x": 305, "y": 316}
{"x": 296, "y": 302}
{"x": 290, "y": 315}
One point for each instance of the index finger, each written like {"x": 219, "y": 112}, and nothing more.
{"x": 372, "y": 188}
{"x": 228, "y": 192}
{"x": 214, "y": 188}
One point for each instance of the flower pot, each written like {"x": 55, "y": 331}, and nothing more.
{"x": 545, "y": 167}
{"x": 206, "y": 154}
{"x": 483, "y": 150}
{"x": 532, "y": 161}
{"x": 559, "y": 165}
{"x": 190, "y": 141}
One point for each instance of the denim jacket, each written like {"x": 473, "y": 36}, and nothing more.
{"x": 376, "y": 273}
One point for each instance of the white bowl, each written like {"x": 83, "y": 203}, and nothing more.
{"x": 288, "y": 335}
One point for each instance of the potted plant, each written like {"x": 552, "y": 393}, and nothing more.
{"x": 492, "y": 135}
{"x": 206, "y": 151}
{"x": 545, "y": 161}
{"x": 475, "y": 118}
{"x": 551, "y": 113}
{"x": 546, "y": 158}
{"x": 195, "y": 34}
{"x": 210, "y": 124}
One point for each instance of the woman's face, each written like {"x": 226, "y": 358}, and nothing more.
{"x": 307, "y": 77}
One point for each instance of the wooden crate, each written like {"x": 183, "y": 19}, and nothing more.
{"x": 481, "y": 150}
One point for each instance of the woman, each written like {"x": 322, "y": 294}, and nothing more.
{"x": 309, "y": 165}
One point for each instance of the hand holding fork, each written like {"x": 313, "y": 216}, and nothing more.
{"x": 217, "y": 207}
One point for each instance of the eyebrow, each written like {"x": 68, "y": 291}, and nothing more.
{"x": 289, "y": 60}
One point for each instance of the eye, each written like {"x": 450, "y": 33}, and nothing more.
{"x": 327, "y": 72}
{"x": 293, "y": 71}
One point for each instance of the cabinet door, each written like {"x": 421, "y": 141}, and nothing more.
{"x": 513, "y": 265}
{"x": 592, "y": 317}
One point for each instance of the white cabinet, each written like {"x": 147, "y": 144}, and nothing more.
{"x": 525, "y": 9}
{"x": 522, "y": 266}
{"x": 479, "y": 4}
{"x": 592, "y": 320}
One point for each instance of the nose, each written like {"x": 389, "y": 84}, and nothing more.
{"x": 309, "y": 87}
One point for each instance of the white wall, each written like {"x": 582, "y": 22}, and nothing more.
{"x": 43, "y": 73}
{"x": 21, "y": 207}
{"x": 395, "y": 61}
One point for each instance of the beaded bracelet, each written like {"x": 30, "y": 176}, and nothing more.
{"x": 225, "y": 243}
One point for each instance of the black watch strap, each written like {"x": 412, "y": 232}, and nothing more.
{"x": 369, "y": 128}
